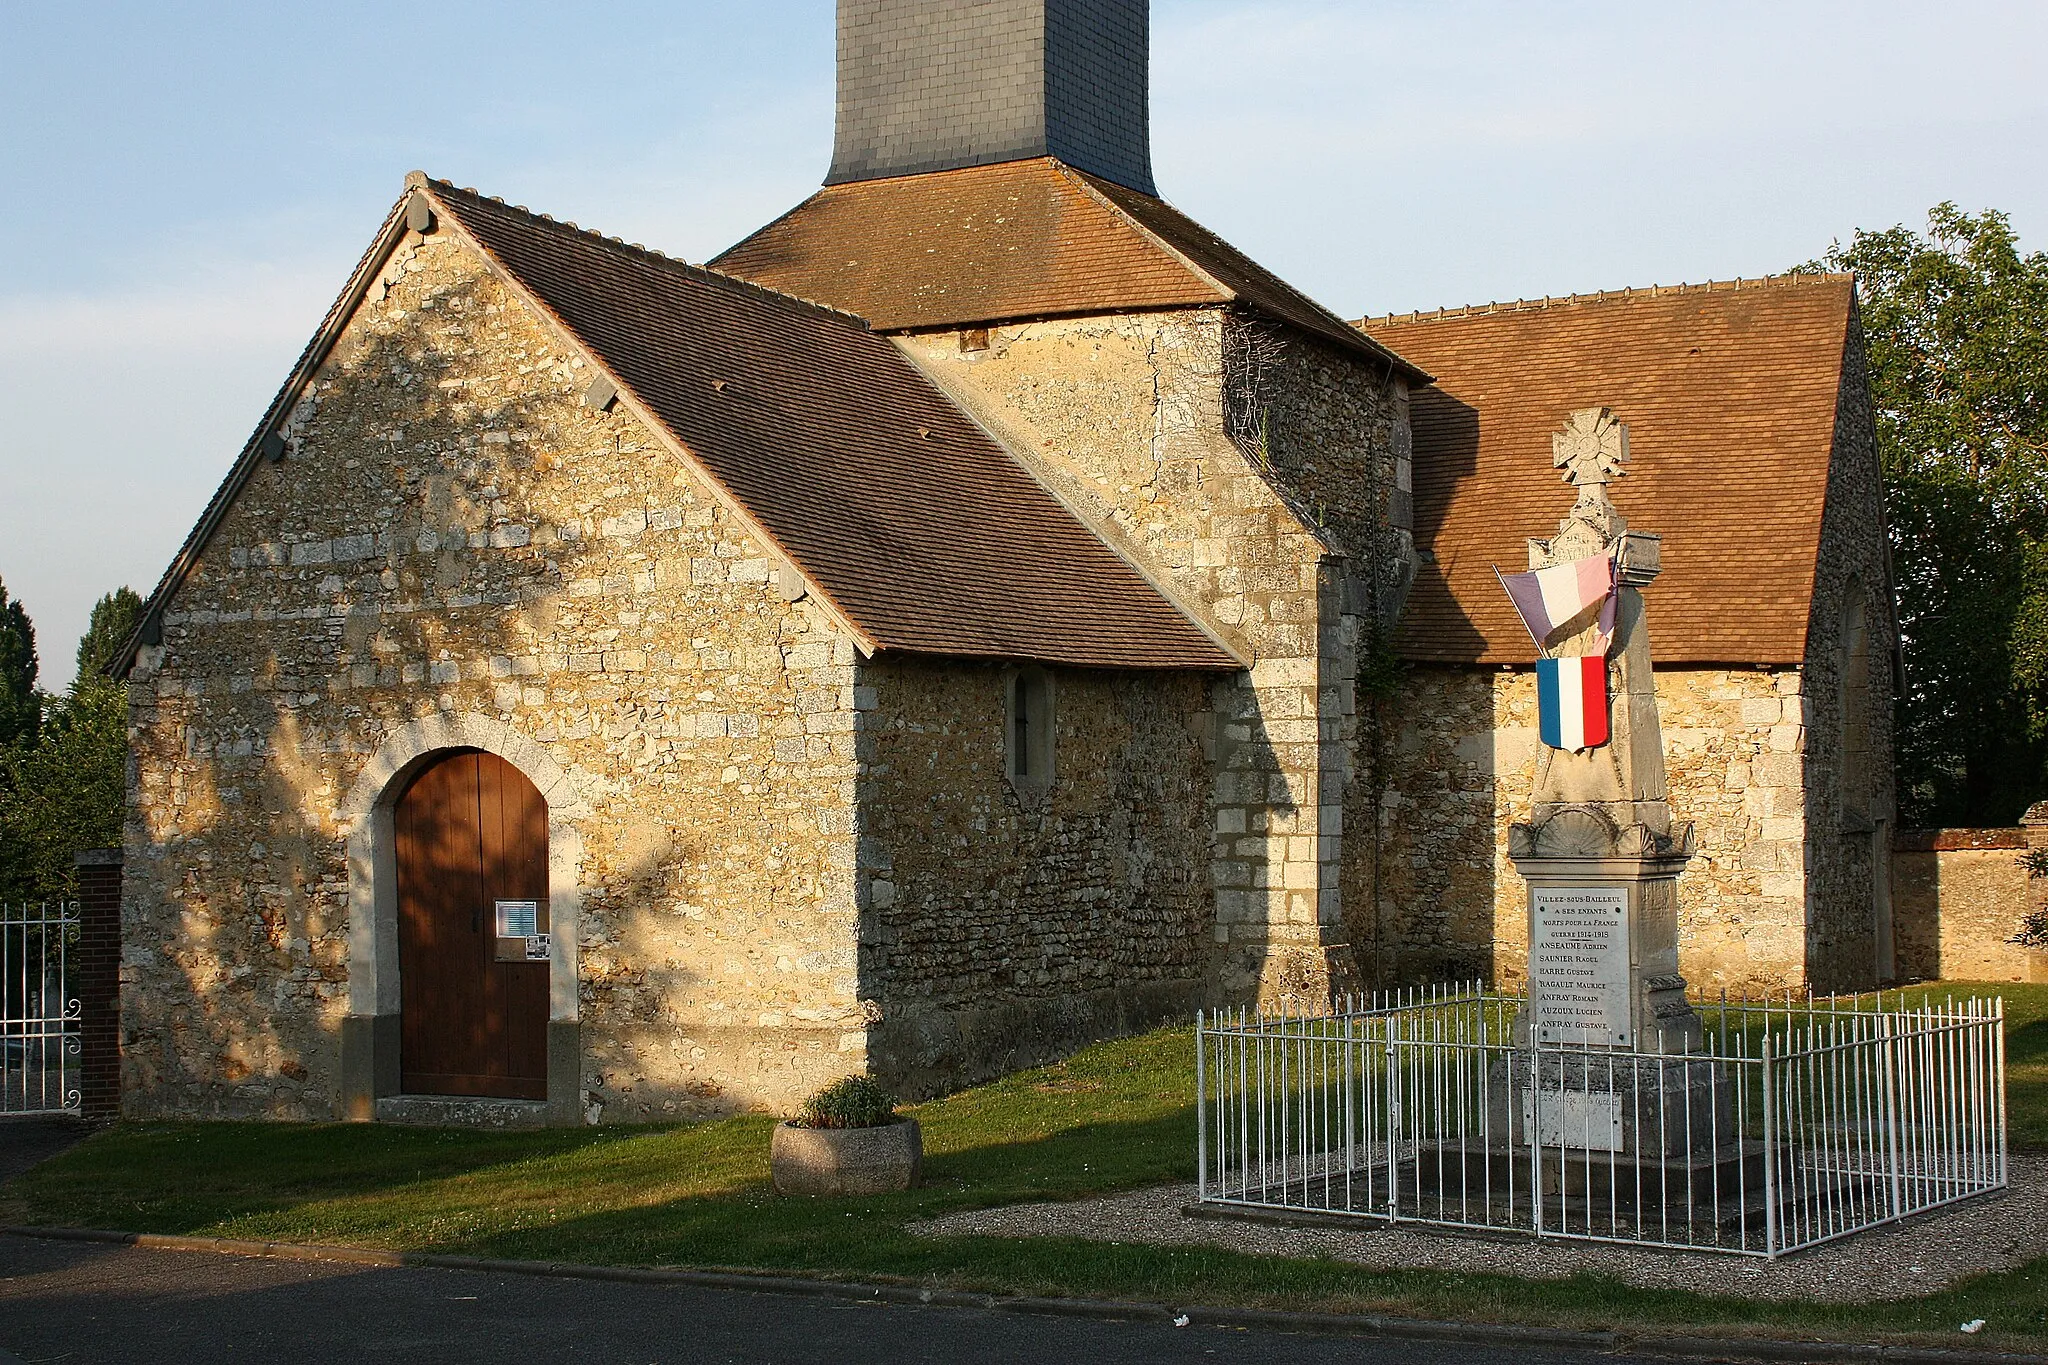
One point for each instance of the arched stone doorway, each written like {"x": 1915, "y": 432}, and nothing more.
{"x": 472, "y": 854}
{"x": 373, "y": 1055}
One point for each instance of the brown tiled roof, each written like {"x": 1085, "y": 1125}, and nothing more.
{"x": 1017, "y": 240}
{"x": 905, "y": 516}
{"x": 1729, "y": 392}
{"x": 910, "y": 519}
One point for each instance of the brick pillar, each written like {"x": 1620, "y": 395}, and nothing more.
{"x": 98, "y": 961}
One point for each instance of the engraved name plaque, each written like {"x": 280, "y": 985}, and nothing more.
{"x": 1573, "y": 1118}
{"x": 1578, "y": 964}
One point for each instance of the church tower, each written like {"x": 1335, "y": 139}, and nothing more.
{"x": 936, "y": 85}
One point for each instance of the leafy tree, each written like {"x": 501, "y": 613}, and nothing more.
{"x": 63, "y": 778}
{"x": 113, "y": 620}
{"x": 1956, "y": 323}
{"x": 21, "y": 707}
{"x": 65, "y": 793}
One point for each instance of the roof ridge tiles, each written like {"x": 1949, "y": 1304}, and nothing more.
{"x": 1790, "y": 279}
{"x": 704, "y": 272}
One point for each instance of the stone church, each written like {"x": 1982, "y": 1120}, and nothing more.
{"x": 979, "y": 613}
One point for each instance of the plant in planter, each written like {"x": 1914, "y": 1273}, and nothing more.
{"x": 846, "y": 1139}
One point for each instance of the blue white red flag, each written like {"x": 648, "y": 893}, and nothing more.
{"x": 1547, "y": 598}
{"x": 1571, "y": 701}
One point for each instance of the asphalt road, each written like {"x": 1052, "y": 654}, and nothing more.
{"x": 82, "y": 1303}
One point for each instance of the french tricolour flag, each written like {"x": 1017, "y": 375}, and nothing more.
{"x": 1547, "y": 598}
{"x": 1571, "y": 700}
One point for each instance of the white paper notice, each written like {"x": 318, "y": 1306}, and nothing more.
{"x": 1578, "y": 964}
{"x": 518, "y": 919}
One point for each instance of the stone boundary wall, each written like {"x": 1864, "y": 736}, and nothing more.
{"x": 1957, "y": 896}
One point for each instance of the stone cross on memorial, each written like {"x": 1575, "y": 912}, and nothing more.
{"x": 1600, "y": 851}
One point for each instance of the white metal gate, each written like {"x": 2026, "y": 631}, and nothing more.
{"x": 40, "y": 1014}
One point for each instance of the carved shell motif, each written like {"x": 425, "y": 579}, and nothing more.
{"x": 1575, "y": 832}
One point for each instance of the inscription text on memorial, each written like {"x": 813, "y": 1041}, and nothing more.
{"x": 1579, "y": 964}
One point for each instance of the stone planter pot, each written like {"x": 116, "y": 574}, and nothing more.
{"x": 2037, "y": 965}
{"x": 845, "y": 1160}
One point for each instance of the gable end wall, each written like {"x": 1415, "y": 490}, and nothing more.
{"x": 1848, "y": 866}
{"x": 455, "y": 535}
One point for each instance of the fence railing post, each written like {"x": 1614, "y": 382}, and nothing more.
{"x": 1865, "y": 1117}
{"x": 1201, "y": 1112}
{"x": 1891, "y": 1111}
{"x": 1998, "y": 1095}
{"x": 98, "y": 964}
{"x": 1770, "y": 1150}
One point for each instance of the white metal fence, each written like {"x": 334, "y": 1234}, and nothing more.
{"x": 1770, "y": 1126}
{"x": 40, "y": 1015}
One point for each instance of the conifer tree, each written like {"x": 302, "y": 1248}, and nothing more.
{"x": 21, "y": 706}
{"x": 113, "y": 621}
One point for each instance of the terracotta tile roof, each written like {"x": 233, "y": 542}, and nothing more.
{"x": 923, "y": 532}
{"x": 1729, "y": 391}
{"x": 1007, "y": 242}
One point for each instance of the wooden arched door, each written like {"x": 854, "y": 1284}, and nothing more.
{"x": 472, "y": 860}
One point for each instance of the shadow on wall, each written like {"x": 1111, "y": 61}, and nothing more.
{"x": 418, "y": 574}
{"x": 1421, "y": 887}
{"x": 1256, "y": 811}
{"x": 1008, "y": 919}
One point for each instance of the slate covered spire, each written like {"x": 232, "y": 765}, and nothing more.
{"x": 935, "y": 85}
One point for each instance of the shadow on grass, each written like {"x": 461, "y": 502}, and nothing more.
{"x": 1114, "y": 1117}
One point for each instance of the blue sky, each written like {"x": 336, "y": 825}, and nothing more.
{"x": 187, "y": 185}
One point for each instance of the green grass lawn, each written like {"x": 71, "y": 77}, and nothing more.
{"x": 1114, "y": 1117}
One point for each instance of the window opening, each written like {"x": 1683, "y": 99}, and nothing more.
{"x": 1028, "y": 732}
{"x": 1021, "y": 705}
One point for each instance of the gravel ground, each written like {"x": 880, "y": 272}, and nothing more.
{"x": 1889, "y": 1263}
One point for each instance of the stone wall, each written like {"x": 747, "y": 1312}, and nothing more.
{"x": 1242, "y": 468}
{"x": 1958, "y": 895}
{"x": 454, "y": 534}
{"x": 1006, "y": 923}
{"x": 1461, "y": 748}
{"x": 1334, "y": 436}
